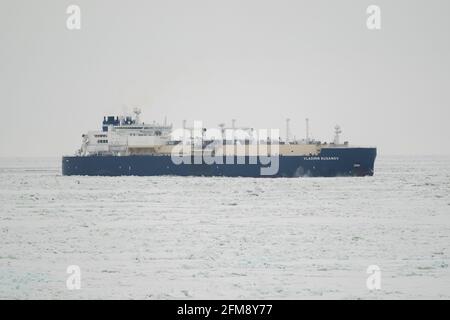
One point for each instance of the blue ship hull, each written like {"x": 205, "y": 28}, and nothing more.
{"x": 331, "y": 162}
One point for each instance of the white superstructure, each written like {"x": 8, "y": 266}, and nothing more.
{"x": 127, "y": 135}
{"x": 120, "y": 134}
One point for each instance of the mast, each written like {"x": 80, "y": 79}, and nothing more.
{"x": 287, "y": 130}
{"x": 233, "y": 127}
{"x": 337, "y": 132}
{"x": 137, "y": 113}
{"x": 307, "y": 130}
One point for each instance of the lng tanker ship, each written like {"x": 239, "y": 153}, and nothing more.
{"x": 127, "y": 146}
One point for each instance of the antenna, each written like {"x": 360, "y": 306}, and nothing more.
{"x": 137, "y": 112}
{"x": 287, "y": 130}
{"x": 337, "y": 132}
{"x": 233, "y": 126}
{"x": 222, "y": 129}
{"x": 307, "y": 130}
{"x": 184, "y": 132}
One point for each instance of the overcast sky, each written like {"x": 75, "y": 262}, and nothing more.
{"x": 258, "y": 61}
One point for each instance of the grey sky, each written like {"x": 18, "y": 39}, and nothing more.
{"x": 214, "y": 60}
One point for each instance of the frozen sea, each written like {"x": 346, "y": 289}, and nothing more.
{"x": 226, "y": 238}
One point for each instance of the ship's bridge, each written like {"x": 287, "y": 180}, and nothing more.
{"x": 120, "y": 133}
